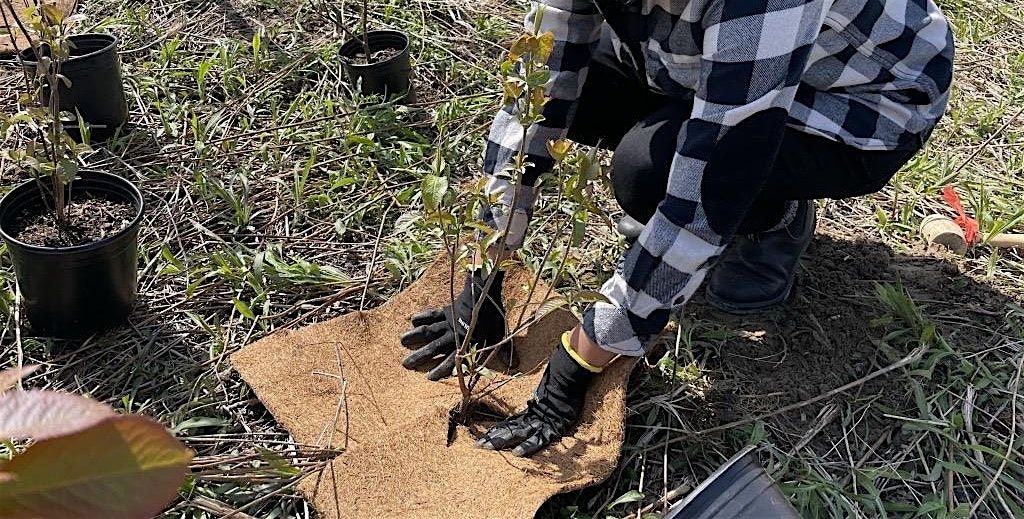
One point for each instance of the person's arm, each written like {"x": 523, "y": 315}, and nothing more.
{"x": 576, "y": 25}
{"x": 754, "y": 54}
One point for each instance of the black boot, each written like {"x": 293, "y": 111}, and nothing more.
{"x": 757, "y": 272}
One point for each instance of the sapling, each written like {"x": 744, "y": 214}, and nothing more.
{"x": 51, "y": 157}
{"x": 524, "y": 79}
{"x": 336, "y": 13}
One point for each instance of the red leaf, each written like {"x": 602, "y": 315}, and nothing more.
{"x": 123, "y": 467}
{"x": 45, "y": 414}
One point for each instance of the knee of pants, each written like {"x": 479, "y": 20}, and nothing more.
{"x": 638, "y": 186}
{"x": 642, "y": 160}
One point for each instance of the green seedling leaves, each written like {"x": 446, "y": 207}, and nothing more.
{"x": 590, "y": 296}
{"x": 433, "y": 188}
{"x": 243, "y": 308}
{"x": 52, "y": 15}
{"x": 277, "y": 463}
{"x": 552, "y": 304}
{"x": 629, "y": 497}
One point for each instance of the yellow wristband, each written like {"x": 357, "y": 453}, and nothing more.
{"x": 576, "y": 356}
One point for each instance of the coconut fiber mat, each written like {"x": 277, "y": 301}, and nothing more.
{"x": 340, "y": 383}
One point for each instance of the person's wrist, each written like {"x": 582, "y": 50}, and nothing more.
{"x": 588, "y": 350}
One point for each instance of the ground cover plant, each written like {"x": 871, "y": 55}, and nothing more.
{"x": 888, "y": 388}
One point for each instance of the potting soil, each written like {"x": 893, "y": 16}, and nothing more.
{"x": 89, "y": 220}
{"x": 341, "y": 384}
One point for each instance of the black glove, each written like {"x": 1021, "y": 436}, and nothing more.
{"x": 555, "y": 407}
{"x": 440, "y": 332}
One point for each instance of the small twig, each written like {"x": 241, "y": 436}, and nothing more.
{"x": 366, "y": 38}
{"x": 667, "y": 499}
{"x": 217, "y": 507}
{"x": 17, "y": 329}
{"x": 373, "y": 256}
{"x": 998, "y": 133}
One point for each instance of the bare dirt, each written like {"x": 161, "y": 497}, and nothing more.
{"x": 829, "y": 332}
{"x": 89, "y": 220}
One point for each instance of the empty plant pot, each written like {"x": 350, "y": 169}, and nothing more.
{"x": 740, "y": 489}
{"x": 389, "y": 71}
{"x": 96, "y": 90}
{"x": 72, "y": 292}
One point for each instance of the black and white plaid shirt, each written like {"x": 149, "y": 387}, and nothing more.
{"x": 873, "y": 74}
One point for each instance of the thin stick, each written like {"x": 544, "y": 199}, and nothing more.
{"x": 366, "y": 37}
{"x": 373, "y": 256}
{"x": 998, "y": 133}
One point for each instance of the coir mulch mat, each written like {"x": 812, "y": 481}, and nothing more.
{"x": 340, "y": 383}
{"x": 7, "y": 48}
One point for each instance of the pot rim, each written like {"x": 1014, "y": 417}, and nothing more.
{"x": 27, "y": 55}
{"x": 405, "y": 48}
{"x": 130, "y": 186}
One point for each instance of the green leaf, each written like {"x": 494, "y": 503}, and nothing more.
{"x": 757, "y": 434}
{"x": 52, "y": 15}
{"x": 199, "y": 422}
{"x": 538, "y": 78}
{"x": 545, "y": 44}
{"x": 434, "y": 189}
{"x": 278, "y": 463}
{"x": 590, "y": 296}
{"x": 174, "y": 266}
{"x": 243, "y": 308}
{"x": 67, "y": 169}
{"x": 124, "y": 467}
{"x": 552, "y": 304}
{"x": 629, "y": 497}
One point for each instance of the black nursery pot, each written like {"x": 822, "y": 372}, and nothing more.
{"x": 74, "y": 292}
{"x": 740, "y": 489}
{"x": 96, "y": 90}
{"x": 391, "y": 78}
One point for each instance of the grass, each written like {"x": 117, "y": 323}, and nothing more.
{"x": 276, "y": 201}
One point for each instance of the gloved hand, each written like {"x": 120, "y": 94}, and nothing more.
{"x": 555, "y": 407}
{"x": 440, "y": 332}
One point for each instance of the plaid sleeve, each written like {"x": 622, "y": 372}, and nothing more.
{"x": 576, "y": 25}
{"x": 753, "y": 56}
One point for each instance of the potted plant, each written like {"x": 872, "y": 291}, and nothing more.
{"x": 377, "y": 62}
{"x": 93, "y": 88}
{"x": 72, "y": 234}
